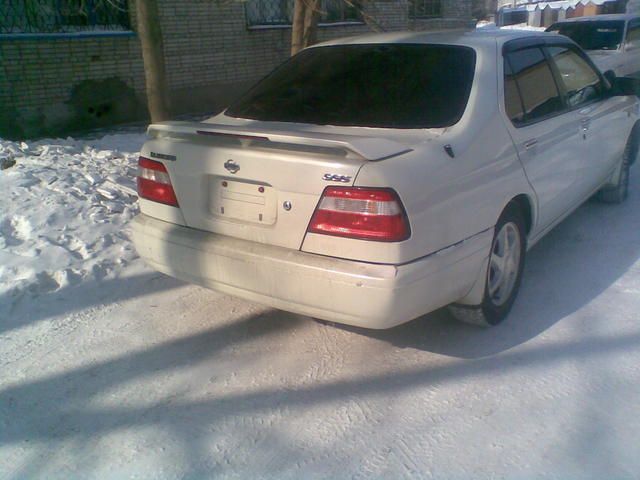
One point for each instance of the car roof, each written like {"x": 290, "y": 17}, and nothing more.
{"x": 471, "y": 38}
{"x": 600, "y": 18}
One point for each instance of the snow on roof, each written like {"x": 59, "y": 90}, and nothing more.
{"x": 604, "y": 17}
{"x": 557, "y": 5}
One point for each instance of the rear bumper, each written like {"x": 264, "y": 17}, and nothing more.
{"x": 344, "y": 291}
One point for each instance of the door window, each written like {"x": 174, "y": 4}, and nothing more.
{"x": 530, "y": 89}
{"x": 580, "y": 82}
{"x": 633, "y": 35}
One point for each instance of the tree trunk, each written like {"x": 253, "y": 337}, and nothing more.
{"x": 153, "y": 57}
{"x": 306, "y": 14}
{"x": 311, "y": 18}
{"x": 297, "y": 27}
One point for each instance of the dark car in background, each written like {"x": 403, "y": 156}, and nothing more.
{"x": 612, "y": 41}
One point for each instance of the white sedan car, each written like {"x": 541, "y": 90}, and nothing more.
{"x": 612, "y": 41}
{"x": 371, "y": 180}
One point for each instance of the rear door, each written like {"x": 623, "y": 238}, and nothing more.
{"x": 546, "y": 135}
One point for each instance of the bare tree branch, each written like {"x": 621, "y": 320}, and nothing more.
{"x": 368, "y": 19}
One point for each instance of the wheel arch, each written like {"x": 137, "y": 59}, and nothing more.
{"x": 525, "y": 203}
{"x": 633, "y": 141}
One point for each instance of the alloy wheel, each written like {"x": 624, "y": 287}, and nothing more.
{"x": 504, "y": 263}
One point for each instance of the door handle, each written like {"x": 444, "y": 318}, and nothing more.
{"x": 529, "y": 144}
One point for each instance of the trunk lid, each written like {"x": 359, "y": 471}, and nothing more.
{"x": 258, "y": 184}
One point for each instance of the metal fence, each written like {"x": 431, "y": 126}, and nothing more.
{"x": 63, "y": 16}
{"x": 425, "y": 8}
{"x": 280, "y": 12}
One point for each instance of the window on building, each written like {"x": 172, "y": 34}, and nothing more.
{"x": 513, "y": 16}
{"x": 63, "y": 16}
{"x": 280, "y": 12}
{"x": 425, "y": 8}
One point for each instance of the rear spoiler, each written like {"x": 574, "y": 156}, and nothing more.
{"x": 369, "y": 148}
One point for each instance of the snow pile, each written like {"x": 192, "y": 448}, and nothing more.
{"x": 63, "y": 208}
{"x": 485, "y": 24}
{"x": 518, "y": 26}
{"x": 523, "y": 26}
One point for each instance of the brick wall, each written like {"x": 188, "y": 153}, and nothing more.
{"x": 211, "y": 54}
{"x": 37, "y": 78}
{"x": 52, "y": 85}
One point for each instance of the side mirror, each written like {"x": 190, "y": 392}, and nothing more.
{"x": 622, "y": 86}
{"x": 610, "y": 75}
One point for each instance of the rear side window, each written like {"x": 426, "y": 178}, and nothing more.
{"x": 580, "y": 81}
{"x": 512, "y": 99}
{"x": 373, "y": 85}
{"x": 528, "y": 77}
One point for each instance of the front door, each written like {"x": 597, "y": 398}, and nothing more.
{"x": 603, "y": 119}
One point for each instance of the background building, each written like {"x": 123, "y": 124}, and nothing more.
{"x": 543, "y": 14}
{"x": 73, "y": 64}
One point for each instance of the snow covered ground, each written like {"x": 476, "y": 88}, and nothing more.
{"x": 63, "y": 212}
{"x": 110, "y": 370}
{"x": 517, "y": 26}
{"x": 523, "y": 26}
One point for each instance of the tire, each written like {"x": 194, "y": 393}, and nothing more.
{"x": 619, "y": 192}
{"x": 501, "y": 289}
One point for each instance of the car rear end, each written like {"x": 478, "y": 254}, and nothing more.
{"x": 267, "y": 206}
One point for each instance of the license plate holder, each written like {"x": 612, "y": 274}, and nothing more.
{"x": 242, "y": 200}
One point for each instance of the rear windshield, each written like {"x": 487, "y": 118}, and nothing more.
{"x": 391, "y": 86}
{"x": 593, "y": 35}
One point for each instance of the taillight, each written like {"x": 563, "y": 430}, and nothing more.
{"x": 154, "y": 182}
{"x": 364, "y": 213}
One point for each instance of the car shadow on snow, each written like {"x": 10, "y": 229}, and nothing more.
{"x": 32, "y": 409}
{"x": 569, "y": 268}
{"x": 125, "y": 392}
{"x": 27, "y": 307}
{"x": 567, "y": 271}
